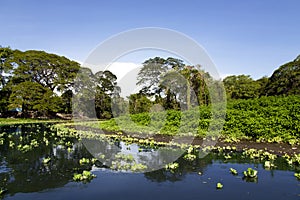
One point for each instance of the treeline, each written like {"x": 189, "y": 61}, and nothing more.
{"x": 41, "y": 84}
{"x": 174, "y": 85}
{"x": 284, "y": 81}
{"x": 44, "y": 84}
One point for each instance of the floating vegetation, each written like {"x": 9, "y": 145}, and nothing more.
{"x": 259, "y": 154}
{"x": 172, "y": 166}
{"x": 85, "y": 176}
{"x": 190, "y": 157}
{"x": 250, "y": 173}
{"x": 295, "y": 159}
{"x": 269, "y": 165}
{"x": 84, "y": 161}
{"x": 219, "y": 186}
{"x": 233, "y": 171}
{"x": 297, "y": 175}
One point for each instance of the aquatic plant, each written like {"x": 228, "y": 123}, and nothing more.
{"x": 268, "y": 165}
{"x": 85, "y": 176}
{"x": 219, "y": 186}
{"x": 172, "y": 166}
{"x": 250, "y": 173}
{"x": 84, "y": 161}
{"x": 297, "y": 175}
{"x": 294, "y": 159}
{"x": 259, "y": 154}
{"x": 190, "y": 157}
{"x": 138, "y": 167}
{"x": 233, "y": 171}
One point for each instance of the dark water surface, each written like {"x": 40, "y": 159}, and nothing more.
{"x": 23, "y": 174}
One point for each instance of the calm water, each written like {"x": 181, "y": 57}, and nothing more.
{"x": 24, "y": 176}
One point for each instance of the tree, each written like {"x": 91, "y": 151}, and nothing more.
{"x": 285, "y": 80}
{"x": 31, "y": 96}
{"x": 49, "y": 70}
{"x": 93, "y": 93}
{"x": 262, "y": 83}
{"x": 5, "y": 67}
{"x": 139, "y": 103}
{"x": 241, "y": 87}
{"x": 154, "y": 75}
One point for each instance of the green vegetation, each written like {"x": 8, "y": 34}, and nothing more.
{"x": 265, "y": 119}
{"x": 179, "y": 97}
{"x": 297, "y": 175}
{"x": 233, "y": 171}
{"x": 41, "y": 84}
{"x": 250, "y": 173}
{"x": 219, "y": 186}
{"x": 172, "y": 166}
{"x": 126, "y": 162}
{"x": 85, "y": 176}
{"x": 269, "y": 165}
{"x": 46, "y": 160}
{"x": 11, "y": 121}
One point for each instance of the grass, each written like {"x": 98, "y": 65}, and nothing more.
{"x": 12, "y": 121}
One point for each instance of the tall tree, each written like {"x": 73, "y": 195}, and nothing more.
{"x": 49, "y": 70}
{"x": 154, "y": 75}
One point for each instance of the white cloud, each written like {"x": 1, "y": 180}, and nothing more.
{"x": 120, "y": 69}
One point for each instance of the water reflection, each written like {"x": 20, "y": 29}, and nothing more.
{"x": 23, "y": 170}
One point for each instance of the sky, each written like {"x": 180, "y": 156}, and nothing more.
{"x": 241, "y": 37}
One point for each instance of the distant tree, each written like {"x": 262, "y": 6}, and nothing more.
{"x": 139, "y": 103}
{"x": 285, "y": 80}
{"x": 241, "y": 87}
{"x": 262, "y": 85}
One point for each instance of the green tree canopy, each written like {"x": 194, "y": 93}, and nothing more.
{"x": 285, "y": 80}
{"x": 32, "y": 96}
{"x": 49, "y": 70}
{"x": 241, "y": 87}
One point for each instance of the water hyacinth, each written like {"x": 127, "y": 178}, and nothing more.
{"x": 85, "y": 176}
{"x": 219, "y": 186}
{"x": 250, "y": 173}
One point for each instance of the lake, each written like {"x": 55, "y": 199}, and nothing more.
{"x": 36, "y": 163}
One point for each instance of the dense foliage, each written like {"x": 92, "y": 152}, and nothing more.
{"x": 284, "y": 81}
{"x": 272, "y": 119}
{"x": 43, "y": 84}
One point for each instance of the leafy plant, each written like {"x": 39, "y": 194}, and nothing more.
{"x": 268, "y": 165}
{"x": 219, "y": 186}
{"x": 233, "y": 171}
{"x": 172, "y": 166}
{"x": 250, "y": 173}
{"x": 85, "y": 176}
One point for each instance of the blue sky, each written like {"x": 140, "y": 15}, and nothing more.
{"x": 242, "y": 37}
